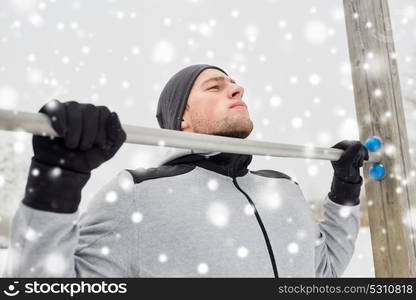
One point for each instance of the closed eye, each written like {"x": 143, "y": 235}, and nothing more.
{"x": 214, "y": 87}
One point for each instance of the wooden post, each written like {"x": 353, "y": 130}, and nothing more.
{"x": 379, "y": 108}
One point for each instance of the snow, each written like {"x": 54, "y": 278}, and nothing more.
{"x": 242, "y": 252}
{"x": 163, "y": 258}
{"x": 270, "y": 199}
{"x": 297, "y": 122}
{"x": 136, "y": 217}
{"x": 34, "y": 76}
{"x": 111, "y": 197}
{"x": 105, "y": 250}
{"x": 164, "y": 52}
{"x": 212, "y": 184}
{"x": 313, "y": 170}
{"x": 203, "y": 268}
{"x": 316, "y": 32}
{"x": 314, "y": 79}
{"x": 345, "y": 212}
{"x": 293, "y": 248}
{"x": 275, "y": 101}
{"x": 8, "y": 97}
{"x": 55, "y": 264}
{"x": 218, "y": 214}
{"x": 249, "y": 209}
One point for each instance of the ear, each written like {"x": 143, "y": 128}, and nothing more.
{"x": 184, "y": 125}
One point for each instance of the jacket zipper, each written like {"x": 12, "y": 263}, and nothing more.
{"x": 263, "y": 229}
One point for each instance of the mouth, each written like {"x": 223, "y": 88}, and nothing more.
{"x": 238, "y": 104}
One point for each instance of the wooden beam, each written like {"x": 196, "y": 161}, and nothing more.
{"x": 379, "y": 109}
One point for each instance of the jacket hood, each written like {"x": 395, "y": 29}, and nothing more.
{"x": 228, "y": 164}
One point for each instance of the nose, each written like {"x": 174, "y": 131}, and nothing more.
{"x": 236, "y": 91}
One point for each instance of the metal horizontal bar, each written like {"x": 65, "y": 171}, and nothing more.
{"x": 39, "y": 124}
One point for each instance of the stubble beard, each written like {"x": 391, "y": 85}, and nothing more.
{"x": 229, "y": 127}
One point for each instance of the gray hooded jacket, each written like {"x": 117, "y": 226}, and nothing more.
{"x": 194, "y": 215}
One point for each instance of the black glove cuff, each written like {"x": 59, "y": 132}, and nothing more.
{"x": 345, "y": 193}
{"x": 54, "y": 189}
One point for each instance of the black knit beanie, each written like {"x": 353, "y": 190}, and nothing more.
{"x": 174, "y": 96}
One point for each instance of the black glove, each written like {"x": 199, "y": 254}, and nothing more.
{"x": 346, "y": 182}
{"x": 61, "y": 166}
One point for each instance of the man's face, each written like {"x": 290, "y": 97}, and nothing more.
{"x": 209, "y": 110}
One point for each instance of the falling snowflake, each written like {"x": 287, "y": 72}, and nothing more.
{"x": 56, "y": 172}
{"x": 316, "y": 100}
{"x": 34, "y": 76}
{"x": 389, "y": 149}
{"x": 103, "y": 79}
{"x": 251, "y": 32}
{"x": 218, "y": 214}
{"x": 293, "y": 248}
{"x": 55, "y": 264}
{"x": 378, "y": 93}
{"x": 301, "y": 234}
{"x": 348, "y": 129}
{"x": 293, "y": 79}
{"x": 268, "y": 88}
{"x": 235, "y": 13}
{"x": 203, "y": 268}
{"x": 65, "y": 60}
{"x": 35, "y": 172}
{"x": 314, "y": 79}
{"x": 135, "y": 51}
{"x": 19, "y": 147}
{"x": 289, "y": 36}
{"x": 36, "y": 20}
{"x": 249, "y": 209}
{"x": 313, "y": 170}
{"x": 125, "y": 181}
{"x": 410, "y": 218}
{"x": 271, "y": 199}
{"x": 136, "y": 217}
{"x": 60, "y": 26}
{"x": 163, "y": 52}
{"x": 297, "y": 122}
{"x": 31, "y": 235}
{"x": 345, "y": 212}
{"x": 242, "y": 252}
{"x": 125, "y": 84}
{"x": 210, "y": 54}
{"x": 85, "y": 49}
{"x": 212, "y": 184}
{"x": 205, "y": 29}
{"x": 105, "y": 250}
{"x": 8, "y": 97}
{"x": 24, "y": 5}
{"x": 111, "y": 197}
{"x": 324, "y": 137}
{"x": 142, "y": 159}
{"x": 163, "y": 258}
{"x": 316, "y": 32}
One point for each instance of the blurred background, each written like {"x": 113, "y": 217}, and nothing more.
{"x": 292, "y": 59}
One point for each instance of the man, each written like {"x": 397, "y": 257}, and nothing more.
{"x": 197, "y": 214}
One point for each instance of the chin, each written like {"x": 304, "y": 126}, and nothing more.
{"x": 241, "y": 130}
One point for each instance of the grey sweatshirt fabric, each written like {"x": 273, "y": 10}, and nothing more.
{"x": 195, "y": 215}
